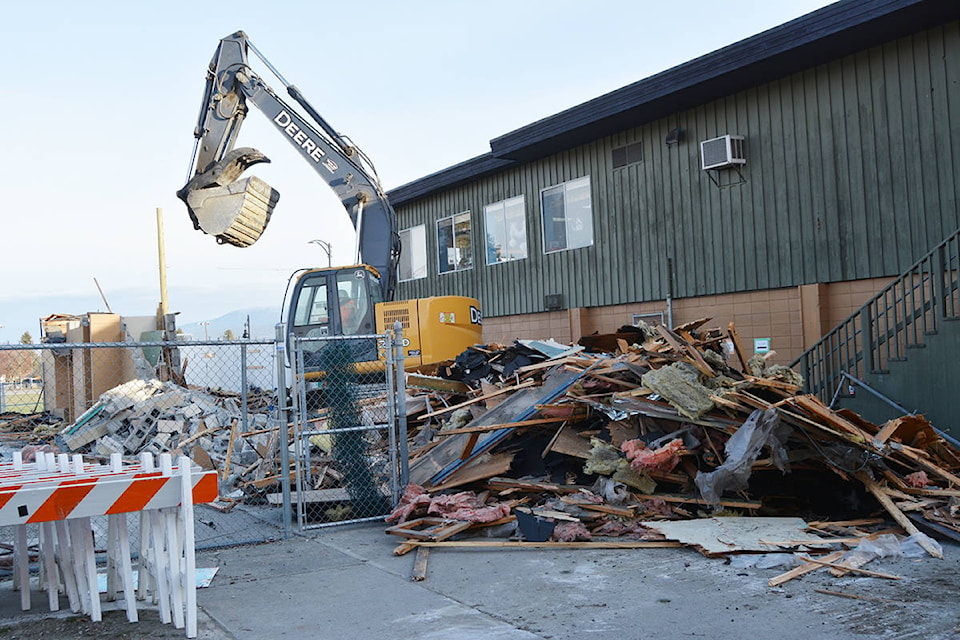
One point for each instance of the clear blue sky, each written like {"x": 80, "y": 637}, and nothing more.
{"x": 100, "y": 100}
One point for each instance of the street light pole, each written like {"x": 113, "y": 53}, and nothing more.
{"x": 327, "y": 248}
{"x": 205, "y": 325}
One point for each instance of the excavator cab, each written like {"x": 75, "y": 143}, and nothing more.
{"x": 335, "y": 302}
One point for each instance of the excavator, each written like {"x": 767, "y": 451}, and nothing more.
{"x": 337, "y": 301}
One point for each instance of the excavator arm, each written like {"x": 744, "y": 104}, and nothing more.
{"x": 237, "y": 211}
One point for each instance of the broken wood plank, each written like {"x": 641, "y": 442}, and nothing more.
{"x": 467, "y": 403}
{"x": 515, "y": 544}
{"x": 678, "y": 499}
{"x": 875, "y": 574}
{"x": 480, "y": 469}
{"x": 530, "y": 485}
{"x": 433, "y": 383}
{"x": 420, "y": 564}
{"x": 856, "y": 596}
{"x": 233, "y": 439}
{"x": 567, "y": 442}
{"x": 804, "y": 569}
{"x": 898, "y": 516}
{"x": 737, "y": 347}
{"x": 502, "y": 425}
{"x": 432, "y": 529}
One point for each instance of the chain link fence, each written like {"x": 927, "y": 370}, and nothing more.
{"x": 350, "y": 430}
{"x": 218, "y": 403}
{"x": 214, "y": 401}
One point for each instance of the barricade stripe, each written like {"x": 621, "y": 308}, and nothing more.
{"x": 137, "y": 495}
{"x": 5, "y": 497}
{"x": 206, "y": 489}
{"x": 64, "y": 499}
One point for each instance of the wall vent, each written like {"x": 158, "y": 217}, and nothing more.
{"x": 725, "y": 151}
{"x": 553, "y": 301}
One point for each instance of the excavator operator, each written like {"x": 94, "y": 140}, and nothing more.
{"x": 349, "y": 313}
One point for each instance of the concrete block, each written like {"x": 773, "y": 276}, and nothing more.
{"x": 168, "y": 426}
{"x": 107, "y": 445}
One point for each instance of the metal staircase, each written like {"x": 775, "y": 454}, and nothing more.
{"x": 900, "y": 318}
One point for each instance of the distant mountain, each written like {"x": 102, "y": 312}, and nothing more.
{"x": 262, "y": 323}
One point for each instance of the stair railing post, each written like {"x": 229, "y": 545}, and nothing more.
{"x": 866, "y": 336}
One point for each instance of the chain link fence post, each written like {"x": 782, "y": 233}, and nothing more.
{"x": 283, "y": 416}
{"x": 401, "y": 412}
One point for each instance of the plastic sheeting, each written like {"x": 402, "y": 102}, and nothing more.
{"x": 762, "y": 428}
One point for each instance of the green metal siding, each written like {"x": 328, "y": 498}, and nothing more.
{"x": 851, "y": 173}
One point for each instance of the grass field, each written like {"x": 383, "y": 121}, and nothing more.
{"x": 20, "y": 400}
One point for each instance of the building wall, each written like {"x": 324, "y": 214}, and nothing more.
{"x": 777, "y": 314}
{"x": 850, "y": 175}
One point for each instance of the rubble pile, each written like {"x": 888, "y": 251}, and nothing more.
{"x": 153, "y": 416}
{"x": 602, "y": 441}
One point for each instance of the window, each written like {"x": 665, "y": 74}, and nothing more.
{"x": 312, "y": 305}
{"x": 413, "y": 255}
{"x": 629, "y": 154}
{"x": 506, "y": 227}
{"x": 453, "y": 243}
{"x": 567, "y": 216}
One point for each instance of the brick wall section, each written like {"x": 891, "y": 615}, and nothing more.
{"x": 773, "y": 313}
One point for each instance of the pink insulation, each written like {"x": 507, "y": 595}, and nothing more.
{"x": 917, "y": 479}
{"x": 414, "y": 497}
{"x": 571, "y": 532}
{"x": 466, "y": 506}
{"x": 665, "y": 459}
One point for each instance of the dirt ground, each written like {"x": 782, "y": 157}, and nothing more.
{"x": 113, "y": 626}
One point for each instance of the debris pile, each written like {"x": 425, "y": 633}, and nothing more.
{"x": 614, "y": 437}
{"x": 153, "y": 416}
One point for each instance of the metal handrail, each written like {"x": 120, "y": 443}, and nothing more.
{"x": 894, "y": 320}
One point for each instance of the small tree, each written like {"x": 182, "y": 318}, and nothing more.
{"x": 26, "y": 338}
{"x": 228, "y": 334}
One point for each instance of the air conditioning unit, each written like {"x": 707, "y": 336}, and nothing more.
{"x": 725, "y": 151}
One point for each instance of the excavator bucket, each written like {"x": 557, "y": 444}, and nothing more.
{"x": 234, "y": 211}
{"x": 237, "y": 213}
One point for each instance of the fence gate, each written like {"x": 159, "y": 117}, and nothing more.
{"x": 349, "y": 428}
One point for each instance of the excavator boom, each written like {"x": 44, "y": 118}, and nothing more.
{"x": 237, "y": 212}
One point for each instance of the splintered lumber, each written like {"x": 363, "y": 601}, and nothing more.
{"x": 467, "y": 403}
{"x": 503, "y": 484}
{"x": 420, "y": 564}
{"x": 857, "y": 596}
{"x": 503, "y": 425}
{"x": 432, "y": 529}
{"x": 569, "y": 443}
{"x": 479, "y": 469}
{"x": 898, "y": 516}
{"x": 515, "y": 544}
{"x": 816, "y": 408}
{"x": 433, "y": 383}
{"x": 686, "y": 350}
{"x": 875, "y": 574}
{"x": 440, "y": 462}
{"x": 804, "y": 569}
{"x": 737, "y": 346}
{"x": 233, "y": 439}
{"x": 733, "y": 504}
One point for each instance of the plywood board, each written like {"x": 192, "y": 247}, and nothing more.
{"x": 714, "y": 536}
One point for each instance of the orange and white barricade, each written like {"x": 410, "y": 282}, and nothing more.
{"x": 60, "y": 494}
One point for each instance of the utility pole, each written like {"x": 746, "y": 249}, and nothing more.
{"x": 327, "y": 248}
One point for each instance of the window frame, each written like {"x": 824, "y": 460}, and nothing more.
{"x": 504, "y": 204}
{"x": 567, "y": 187}
{"x": 453, "y": 220}
{"x": 407, "y": 252}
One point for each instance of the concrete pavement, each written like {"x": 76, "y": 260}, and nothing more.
{"x": 345, "y": 583}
